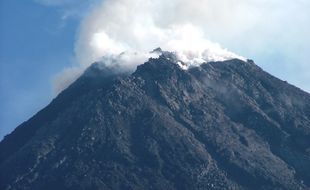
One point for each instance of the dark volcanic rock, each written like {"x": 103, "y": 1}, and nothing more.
{"x": 223, "y": 125}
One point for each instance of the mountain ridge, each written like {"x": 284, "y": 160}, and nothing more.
{"x": 222, "y": 125}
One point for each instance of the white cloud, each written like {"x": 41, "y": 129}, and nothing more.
{"x": 253, "y": 27}
{"x": 123, "y": 25}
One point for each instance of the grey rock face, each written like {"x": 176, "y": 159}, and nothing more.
{"x": 223, "y": 125}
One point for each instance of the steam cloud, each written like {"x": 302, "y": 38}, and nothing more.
{"x": 118, "y": 26}
{"x": 136, "y": 27}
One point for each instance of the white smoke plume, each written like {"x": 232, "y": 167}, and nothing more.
{"x": 136, "y": 27}
{"x": 118, "y": 26}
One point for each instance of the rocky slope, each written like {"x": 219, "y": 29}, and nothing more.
{"x": 223, "y": 125}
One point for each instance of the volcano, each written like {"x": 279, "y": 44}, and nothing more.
{"x": 220, "y": 125}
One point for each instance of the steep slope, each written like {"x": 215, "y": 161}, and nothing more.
{"x": 223, "y": 125}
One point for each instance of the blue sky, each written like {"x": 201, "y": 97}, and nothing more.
{"x": 35, "y": 44}
{"x": 38, "y": 40}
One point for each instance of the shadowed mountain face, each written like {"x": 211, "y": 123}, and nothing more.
{"x": 223, "y": 125}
